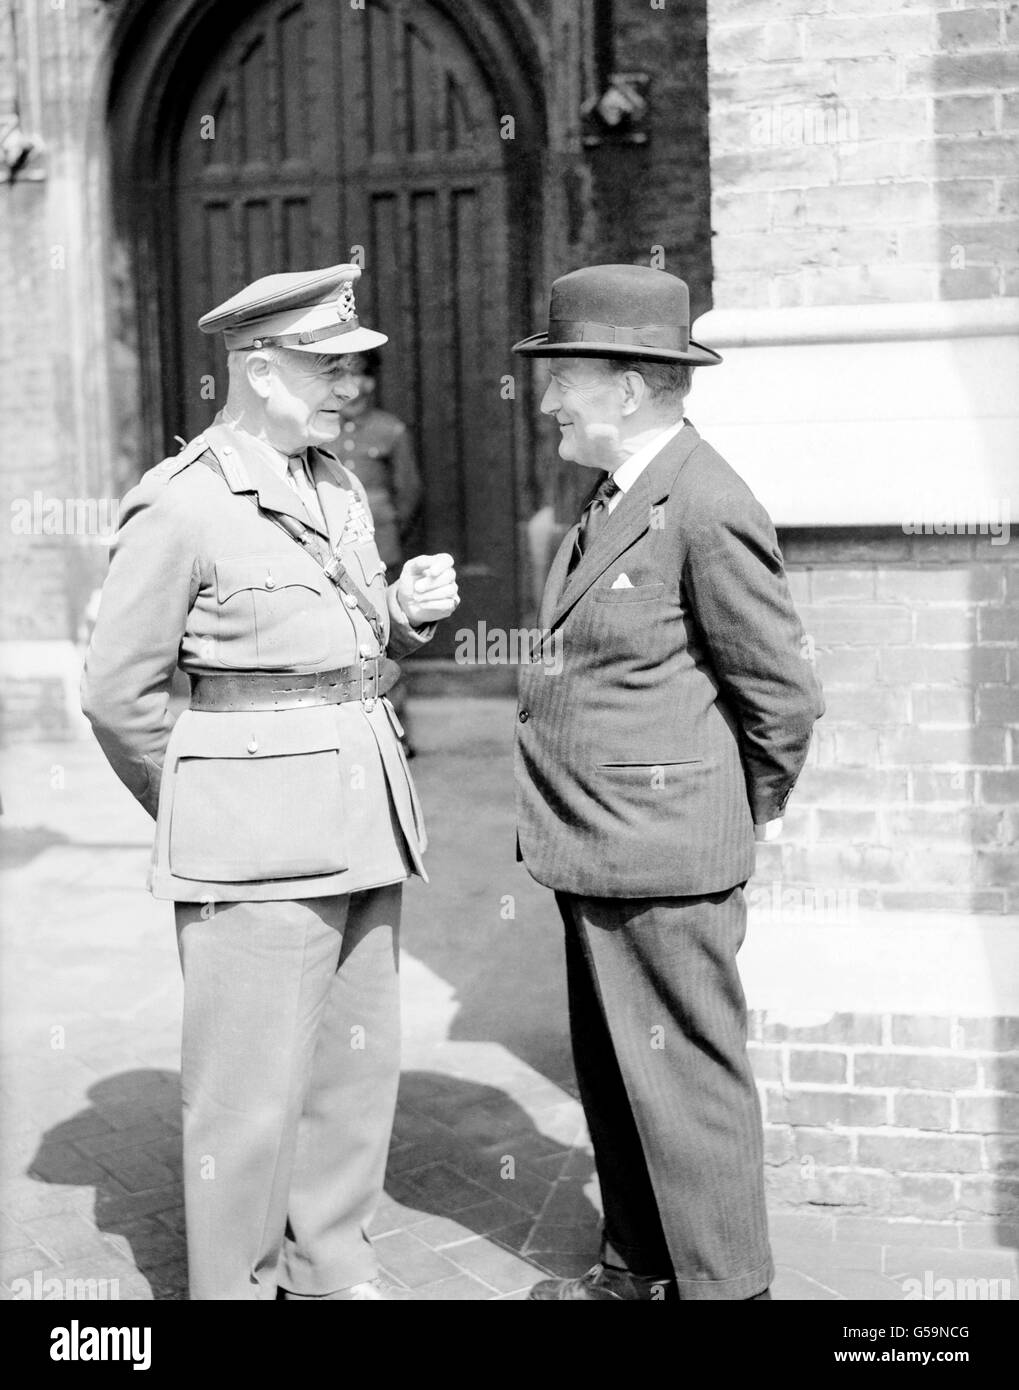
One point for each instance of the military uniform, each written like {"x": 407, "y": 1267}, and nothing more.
{"x": 286, "y": 821}
{"x": 202, "y": 578}
{"x": 376, "y": 447}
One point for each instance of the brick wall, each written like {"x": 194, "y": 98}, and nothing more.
{"x": 910, "y": 796}
{"x": 905, "y": 1116}
{"x": 659, "y": 195}
{"x": 52, "y": 347}
{"x": 863, "y": 152}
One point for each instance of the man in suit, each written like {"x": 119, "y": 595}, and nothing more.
{"x": 671, "y": 739}
{"x": 286, "y": 820}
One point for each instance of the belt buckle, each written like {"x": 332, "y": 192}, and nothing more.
{"x": 368, "y": 700}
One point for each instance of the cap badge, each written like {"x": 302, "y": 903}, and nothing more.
{"x": 345, "y": 303}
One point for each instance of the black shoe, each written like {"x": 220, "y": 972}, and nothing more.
{"x": 606, "y": 1282}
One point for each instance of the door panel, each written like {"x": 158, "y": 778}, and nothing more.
{"x": 337, "y": 128}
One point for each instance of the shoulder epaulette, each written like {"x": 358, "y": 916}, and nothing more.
{"x": 170, "y": 467}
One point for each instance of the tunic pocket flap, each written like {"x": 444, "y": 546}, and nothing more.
{"x": 265, "y": 572}
{"x": 258, "y": 734}
{"x": 371, "y": 562}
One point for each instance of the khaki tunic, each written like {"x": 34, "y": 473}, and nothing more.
{"x": 376, "y": 447}
{"x": 250, "y": 806}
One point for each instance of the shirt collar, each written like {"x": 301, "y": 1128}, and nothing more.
{"x": 644, "y": 447}
{"x": 279, "y": 463}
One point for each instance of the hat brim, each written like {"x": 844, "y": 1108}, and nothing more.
{"x": 537, "y": 345}
{"x": 340, "y": 344}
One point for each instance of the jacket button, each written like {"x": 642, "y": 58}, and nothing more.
{"x": 350, "y": 600}
{"x": 252, "y": 745}
{"x": 524, "y": 715}
{"x": 270, "y": 583}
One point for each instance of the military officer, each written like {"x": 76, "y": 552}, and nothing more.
{"x": 377, "y": 447}
{"x": 286, "y": 820}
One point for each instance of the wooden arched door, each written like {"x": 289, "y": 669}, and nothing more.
{"x": 322, "y": 133}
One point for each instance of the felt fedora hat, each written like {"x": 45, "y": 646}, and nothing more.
{"x": 619, "y": 311}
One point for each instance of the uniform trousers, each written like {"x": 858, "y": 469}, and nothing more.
{"x": 658, "y": 1027}
{"x": 290, "y": 1067}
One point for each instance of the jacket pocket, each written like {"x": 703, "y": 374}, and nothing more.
{"x": 637, "y": 593}
{"x": 253, "y": 801}
{"x": 270, "y": 612}
{"x": 649, "y": 763}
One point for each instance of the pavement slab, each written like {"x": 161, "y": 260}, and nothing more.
{"x": 491, "y": 1182}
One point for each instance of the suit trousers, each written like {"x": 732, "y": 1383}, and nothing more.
{"x": 290, "y": 1066}
{"x": 658, "y": 1026}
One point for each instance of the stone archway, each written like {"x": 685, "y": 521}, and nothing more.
{"x": 339, "y": 132}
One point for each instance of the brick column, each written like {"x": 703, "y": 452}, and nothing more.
{"x": 57, "y": 448}
{"x": 863, "y": 158}
{"x": 865, "y": 206}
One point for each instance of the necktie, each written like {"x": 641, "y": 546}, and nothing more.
{"x": 304, "y": 487}
{"x": 595, "y": 515}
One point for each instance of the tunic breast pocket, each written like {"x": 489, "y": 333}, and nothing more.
{"x": 271, "y": 612}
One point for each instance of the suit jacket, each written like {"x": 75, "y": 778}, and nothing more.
{"x": 682, "y": 712}
{"x": 249, "y": 806}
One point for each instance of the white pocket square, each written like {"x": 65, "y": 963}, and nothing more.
{"x": 622, "y": 581}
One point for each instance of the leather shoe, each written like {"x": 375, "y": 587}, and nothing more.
{"x": 369, "y": 1290}
{"x": 606, "y": 1282}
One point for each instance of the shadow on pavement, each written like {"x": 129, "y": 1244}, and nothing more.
{"x": 130, "y": 1134}
{"x": 19, "y": 844}
{"x": 470, "y": 1155}
{"x": 482, "y": 924}
{"x": 462, "y": 1152}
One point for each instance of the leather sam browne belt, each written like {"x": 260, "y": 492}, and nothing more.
{"x": 264, "y": 690}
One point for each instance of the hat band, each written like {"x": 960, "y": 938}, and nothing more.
{"x": 311, "y": 335}
{"x": 653, "y": 335}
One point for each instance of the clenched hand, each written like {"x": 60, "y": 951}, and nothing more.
{"x": 426, "y": 590}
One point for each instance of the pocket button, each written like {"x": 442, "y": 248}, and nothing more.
{"x": 252, "y": 745}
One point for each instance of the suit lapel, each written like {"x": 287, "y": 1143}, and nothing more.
{"x": 556, "y": 577}
{"x": 246, "y": 468}
{"x": 631, "y": 518}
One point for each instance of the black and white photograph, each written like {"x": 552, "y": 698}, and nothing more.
{"x": 509, "y": 661}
